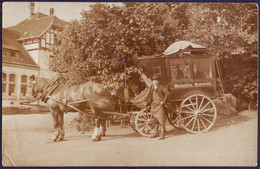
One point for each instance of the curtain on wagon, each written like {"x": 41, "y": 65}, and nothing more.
{"x": 143, "y": 96}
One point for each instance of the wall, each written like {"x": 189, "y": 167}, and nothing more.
{"x": 33, "y": 51}
{"x": 44, "y": 64}
{"x": 18, "y": 71}
{"x": 41, "y": 57}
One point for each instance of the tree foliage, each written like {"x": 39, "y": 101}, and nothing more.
{"x": 109, "y": 38}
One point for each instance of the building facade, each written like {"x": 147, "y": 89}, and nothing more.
{"x": 27, "y": 51}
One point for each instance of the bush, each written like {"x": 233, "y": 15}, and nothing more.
{"x": 240, "y": 77}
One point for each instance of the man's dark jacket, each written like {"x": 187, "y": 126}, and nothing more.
{"x": 164, "y": 95}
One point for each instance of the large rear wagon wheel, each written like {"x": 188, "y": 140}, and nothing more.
{"x": 198, "y": 113}
{"x": 144, "y": 123}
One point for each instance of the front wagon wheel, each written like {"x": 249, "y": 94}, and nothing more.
{"x": 132, "y": 123}
{"x": 144, "y": 123}
{"x": 198, "y": 113}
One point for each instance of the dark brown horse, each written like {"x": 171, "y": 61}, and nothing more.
{"x": 87, "y": 96}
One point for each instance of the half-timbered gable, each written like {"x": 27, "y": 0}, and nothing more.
{"x": 26, "y": 51}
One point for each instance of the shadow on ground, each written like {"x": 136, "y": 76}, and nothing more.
{"x": 225, "y": 121}
{"x": 221, "y": 122}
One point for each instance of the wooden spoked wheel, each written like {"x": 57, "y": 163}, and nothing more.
{"x": 144, "y": 123}
{"x": 174, "y": 120}
{"x": 198, "y": 113}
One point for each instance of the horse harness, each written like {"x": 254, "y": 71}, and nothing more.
{"x": 49, "y": 90}
{"x": 53, "y": 86}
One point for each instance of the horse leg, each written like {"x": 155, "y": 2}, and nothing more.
{"x": 96, "y": 136}
{"x": 55, "y": 125}
{"x": 61, "y": 125}
{"x": 103, "y": 128}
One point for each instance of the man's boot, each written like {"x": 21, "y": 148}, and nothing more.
{"x": 155, "y": 131}
{"x": 162, "y": 132}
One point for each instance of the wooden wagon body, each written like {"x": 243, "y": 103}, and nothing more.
{"x": 192, "y": 75}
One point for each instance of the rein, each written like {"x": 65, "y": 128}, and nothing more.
{"x": 53, "y": 86}
{"x": 86, "y": 113}
{"x": 70, "y": 105}
{"x": 122, "y": 99}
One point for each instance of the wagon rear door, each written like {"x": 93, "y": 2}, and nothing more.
{"x": 190, "y": 75}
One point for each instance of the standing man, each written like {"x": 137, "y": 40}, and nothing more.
{"x": 31, "y": 93}
{"x": 156, "y": 103}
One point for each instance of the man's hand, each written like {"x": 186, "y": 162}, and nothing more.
{"x": 162, "y": 103}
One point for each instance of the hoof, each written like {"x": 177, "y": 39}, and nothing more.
{"x": 103, "y": 134}
{"x": 94, "y": 139}
{"x": 161, "y": 137}
{"x": 54, "y": 138}
{"x": 98, "y": 138}
{"x": 61, "y": 138}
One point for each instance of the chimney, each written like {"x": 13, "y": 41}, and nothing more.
{"x": 51, "y": 11}
{"x": 31, "y": 9}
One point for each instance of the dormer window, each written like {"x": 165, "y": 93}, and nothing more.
{"x": 12, "y": 54}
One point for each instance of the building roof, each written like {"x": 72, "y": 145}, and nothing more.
{"x": 37, "y": 25}
{"x": 32, "y": 27}
{"x": 9, "y": 41}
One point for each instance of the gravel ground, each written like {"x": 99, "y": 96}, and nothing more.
{"x": 26, "y": 141}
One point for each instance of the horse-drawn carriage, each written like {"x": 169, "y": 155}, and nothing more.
{"x": 193, "y": 77}
{"x": 189, "y": 71}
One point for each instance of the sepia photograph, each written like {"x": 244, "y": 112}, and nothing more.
{"x": 129, "y": 84}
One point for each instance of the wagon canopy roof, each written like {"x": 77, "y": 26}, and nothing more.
{"x": 181, "y": 45}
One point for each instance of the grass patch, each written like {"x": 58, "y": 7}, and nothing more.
{"x": 23, "y": 110}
